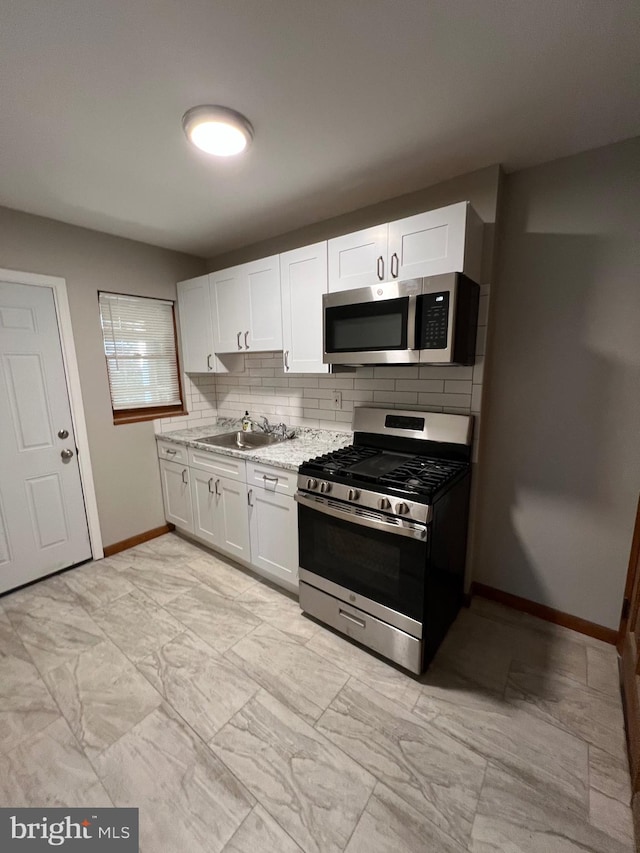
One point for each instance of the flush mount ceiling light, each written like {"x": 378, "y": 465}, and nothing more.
{"x": 217, "y": 130}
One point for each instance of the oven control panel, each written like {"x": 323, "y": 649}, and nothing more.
{"x": 411, "y": 510}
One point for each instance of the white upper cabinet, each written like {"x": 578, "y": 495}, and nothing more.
{"x": 246, "y": 303}
{"x": 265, "y": 325}
{"x": 196, "y": 317}
{"x": 230, "y": 298}
{"x": 303, "y": 274}
{"x": 196, "y": 328}
{"x": 359, "y": 259}
{"x": 448, "y": 239}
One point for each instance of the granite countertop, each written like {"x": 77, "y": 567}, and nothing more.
{"x": 290, "y": 453}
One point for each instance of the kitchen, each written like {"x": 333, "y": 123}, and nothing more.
{"x": 556, "y": 506}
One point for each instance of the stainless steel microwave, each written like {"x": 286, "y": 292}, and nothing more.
{"x": 419, "y": 321}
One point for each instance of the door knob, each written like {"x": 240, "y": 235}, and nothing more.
{"x": 63, "y": 433}
{"x": 66, "y": 454}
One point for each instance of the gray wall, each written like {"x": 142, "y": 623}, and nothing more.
{"x": 479, "y": 187}
{"x": 562, "y": 412}
{"x": 123, "y": 457}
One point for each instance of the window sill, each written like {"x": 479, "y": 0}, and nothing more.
{"x": 146, "y": 415}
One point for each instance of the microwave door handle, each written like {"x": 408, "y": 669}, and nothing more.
{"x": 412, "y": 317}
{"x": 413, "y": 531}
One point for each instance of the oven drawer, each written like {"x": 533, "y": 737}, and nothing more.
{"x": 371, "y": 632}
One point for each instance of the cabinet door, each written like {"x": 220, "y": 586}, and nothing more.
{"x": 359, "y": 259}
{"x": 232, "y": 520}
{"x": 274, "y": 536}
{"x": 203, "y": 496}
{"x": 263, "y": 283}
{"x": 429, "y": 243}
{"x": 303, "y": 275}
{"x": 176, "y": 494}
{"x": 196, "y": 327}
{"x": 230, "y": 298}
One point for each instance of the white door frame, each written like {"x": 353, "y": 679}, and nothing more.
{"x": 59, "y": 288}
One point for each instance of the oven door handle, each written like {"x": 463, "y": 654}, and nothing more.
{"x": 382, "y": 523}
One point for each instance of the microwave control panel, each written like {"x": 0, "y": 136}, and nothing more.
{"x": 435, "y": 316}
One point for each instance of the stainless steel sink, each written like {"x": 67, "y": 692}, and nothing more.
{"x": 242, "y": 440}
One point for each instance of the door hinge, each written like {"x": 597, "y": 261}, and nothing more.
{"x": 626, "y": 607}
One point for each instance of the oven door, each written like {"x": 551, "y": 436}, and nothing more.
{"x": 378, "y": 559}
{"x": 371, "y": 325}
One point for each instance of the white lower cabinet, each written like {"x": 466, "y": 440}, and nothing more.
{"x": 273, "y": 522}
{"x": 254, "y": 523}
{"x": 220, "y": 513}
{"x": 176, "y": 493}
{"x": 233, "y": 520}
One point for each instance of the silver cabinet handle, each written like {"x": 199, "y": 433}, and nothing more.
{"x": 171, "y": 452}
{"x": 239, "y": 344}
{"x": 209, "y": 365}
{"x": 380, "y": 267}
{"x": 249, "y": 496}
{"x": 217, "y": 484}
{"x": 359, "y": 622}
{"x": 185, "y": 478}
{"x": 209, "y": 485}
{"x": 286, "y": 359}
{"x": 397, "y": 265}
{"x": 246, "y": 335}
{"x": 66, "y": 454}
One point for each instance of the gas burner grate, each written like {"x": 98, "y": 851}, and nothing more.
{"x": 338, "y": 460}
{"x": 422, "y": 474}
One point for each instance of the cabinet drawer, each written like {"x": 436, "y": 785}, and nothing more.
{"x": 218, "y": 463}
{"x": 172, "y": 452}
{"x": 272, "y": 479}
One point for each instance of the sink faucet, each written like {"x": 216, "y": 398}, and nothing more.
{"x": 280, "y": 429}
{"x": 265, "y": 426}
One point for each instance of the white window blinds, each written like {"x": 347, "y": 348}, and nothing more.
{"x": 139, "y": 343}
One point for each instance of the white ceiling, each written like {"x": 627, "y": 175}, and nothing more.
{"x": 352, "y": 101}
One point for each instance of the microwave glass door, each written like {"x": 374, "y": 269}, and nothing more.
{"x": 367, "y": 326}
{"x": 384, "y": 567}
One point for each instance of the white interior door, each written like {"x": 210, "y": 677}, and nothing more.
{"x": 43, "y": 523}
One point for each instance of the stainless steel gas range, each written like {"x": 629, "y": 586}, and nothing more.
{"x": 382, "y": 531}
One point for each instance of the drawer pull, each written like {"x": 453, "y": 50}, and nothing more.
{"x": 268, "y": 479}
{"x": 359, "y": 622}
{"x": 171, "y": 452}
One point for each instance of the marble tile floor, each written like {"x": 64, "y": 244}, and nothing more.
{"x": 172, "y": 680}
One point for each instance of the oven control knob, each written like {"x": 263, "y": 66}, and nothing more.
{"x": 402, "y": 509}
{"x": 384, "y": 503}
{"x": 325, "y": 487}
{"x": 354, "y": 494}
{"x": 312, "y": 484}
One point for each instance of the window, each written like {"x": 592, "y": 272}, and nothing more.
{"x": 142, "y": 362}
